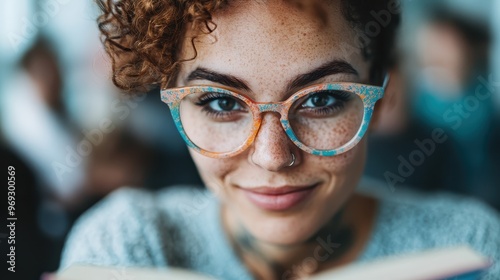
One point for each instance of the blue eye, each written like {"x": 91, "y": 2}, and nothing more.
{"x": 221, "y": 107}
{"x": 324, "y": 103}
{"x": 321, "y": 99}
{"x": 224, "y": 104}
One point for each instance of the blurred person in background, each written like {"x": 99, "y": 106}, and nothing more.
{"x": 442, "y": 83}
{"x": 35, "y": 124}
{"x": 35, "y": 128}
{"x": 41, "y": 140}
{"x": 451, "y": 91}
{"x": 393, "y": 140}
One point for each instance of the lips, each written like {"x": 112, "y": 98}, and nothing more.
{"x": 278, "y": 198}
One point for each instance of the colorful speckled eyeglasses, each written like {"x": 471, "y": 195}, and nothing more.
{"x": 324, "y": 119}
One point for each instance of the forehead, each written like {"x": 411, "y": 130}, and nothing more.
{"x": 273, "y": 41}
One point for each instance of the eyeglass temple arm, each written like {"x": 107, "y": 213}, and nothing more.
{"x": 386, "y": 80}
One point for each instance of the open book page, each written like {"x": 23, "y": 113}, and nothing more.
{"x": 450, "y": 263}
{"x": 455, "y": 263}
{"x": 86, "y": 272}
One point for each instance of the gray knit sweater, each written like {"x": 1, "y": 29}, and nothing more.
{"x": 180, "y": 226}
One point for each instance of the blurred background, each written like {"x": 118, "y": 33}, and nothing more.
{"x": 73, "y": 138}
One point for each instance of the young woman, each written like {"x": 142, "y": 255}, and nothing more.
{"x": 273, "y": 99}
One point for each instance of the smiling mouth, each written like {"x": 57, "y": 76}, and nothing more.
{"x": 278, "y": 198}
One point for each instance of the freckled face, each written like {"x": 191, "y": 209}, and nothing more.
{"x": 266, "y": 46}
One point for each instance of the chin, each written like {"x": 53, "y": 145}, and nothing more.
{"x": 288, "y": 227}
{"x": 283, "y": 230}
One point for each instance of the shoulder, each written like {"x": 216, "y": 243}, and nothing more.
{"x": 452, "y": 215}
{"x": 412, "y": 221}
{"x": 127, "y": 228}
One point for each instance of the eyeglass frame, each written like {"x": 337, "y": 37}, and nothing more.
{"x": 369, "y": 95}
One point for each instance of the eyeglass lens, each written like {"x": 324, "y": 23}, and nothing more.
{"x": 221, "y": 123}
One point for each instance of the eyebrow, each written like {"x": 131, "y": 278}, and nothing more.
{"x": 327, "y": 69}
{"x": 223, "y": 79}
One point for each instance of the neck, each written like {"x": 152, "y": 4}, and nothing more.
{"x": 330, "y": 246}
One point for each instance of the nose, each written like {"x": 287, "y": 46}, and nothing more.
{"x": 271, "y": 148}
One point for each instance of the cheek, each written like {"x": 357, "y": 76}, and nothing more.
{"x": 344, "y": 172}
{"x": 348, "y": 163}
{"x": 213, "y": 171}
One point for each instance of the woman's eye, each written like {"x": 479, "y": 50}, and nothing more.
{"x": 323, "y": 103}
{"x": 317, "y": 100}
{"x": 221, "y": 107}
{"x": 224, "y": 104}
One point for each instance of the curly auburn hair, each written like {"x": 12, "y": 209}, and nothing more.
{"x": 142, "y": 37}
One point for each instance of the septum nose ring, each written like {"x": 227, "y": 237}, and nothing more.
{"x": 293, "y": 160}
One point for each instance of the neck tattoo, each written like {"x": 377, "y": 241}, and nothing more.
{"x": 334, "y": 239}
